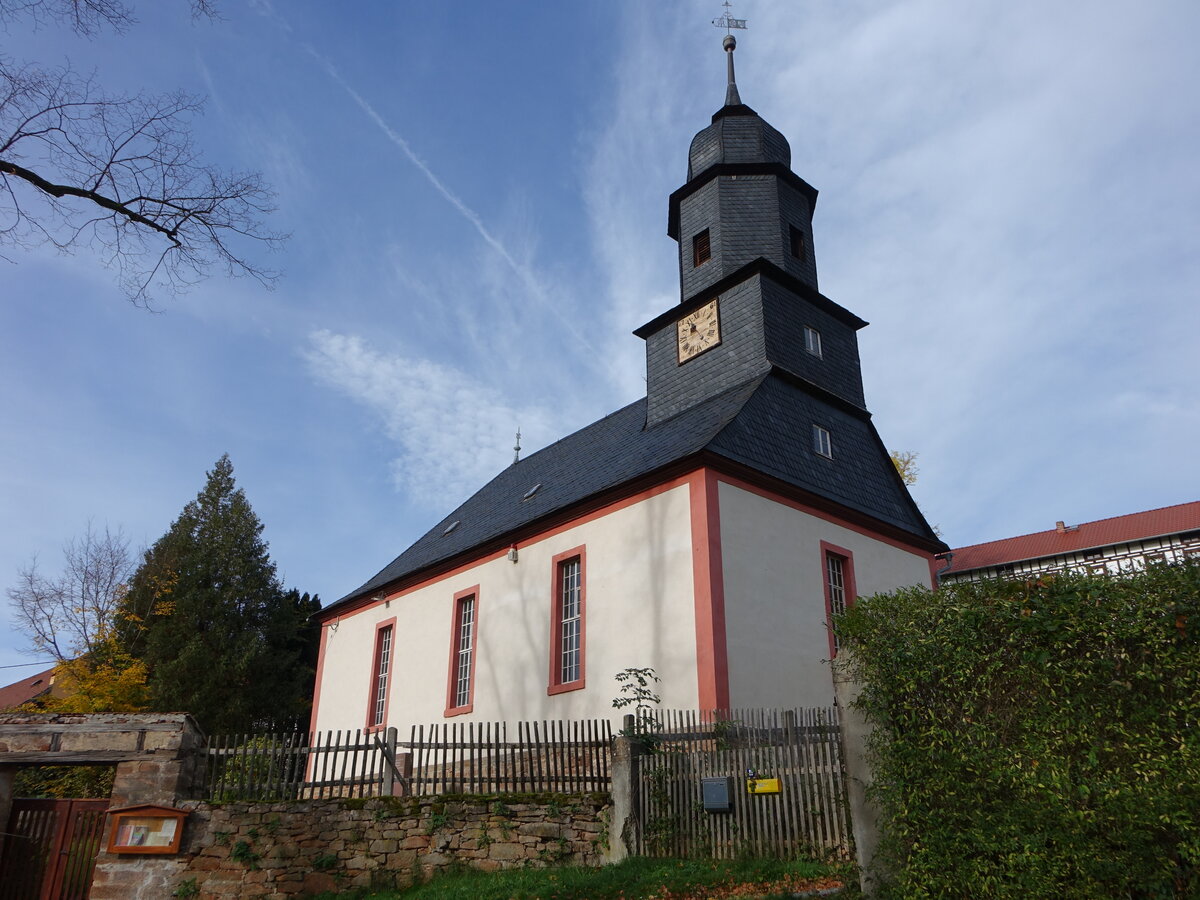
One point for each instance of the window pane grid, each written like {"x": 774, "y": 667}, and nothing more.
{"x": 381, "y": 675}
{"x": 570, "y": 621}
{"x": 466, "y": 635}
{"x": 836, "y": 581}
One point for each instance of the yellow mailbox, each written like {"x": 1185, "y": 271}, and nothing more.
{"x": 762, "y": 786}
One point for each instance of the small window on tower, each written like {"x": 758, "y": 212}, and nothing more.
{"x": 822, "y": 442}
{"x": 812, "y": 340}
{"x": 701, "y": 249}
{"x": 796, "y": 242}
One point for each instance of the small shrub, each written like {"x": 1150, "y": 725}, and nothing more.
{"x": 242, "y": 852}
{"x": 636, "y": 690}
{"x": 437, "y": 820}
{"x": 325, "y": 862}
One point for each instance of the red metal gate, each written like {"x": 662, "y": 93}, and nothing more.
{"x": 50, "y": 849}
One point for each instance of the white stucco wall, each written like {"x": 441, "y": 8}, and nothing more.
{"x": 776, "y": 638}
{"x": 639, "y": 612}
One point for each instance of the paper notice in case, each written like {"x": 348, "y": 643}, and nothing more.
{"x": 146, "y": 832}
{"x": 147, "y": 829}
{"x": 164, "y": 835}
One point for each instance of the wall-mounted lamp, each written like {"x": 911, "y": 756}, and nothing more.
{"x": 512, "y": 554}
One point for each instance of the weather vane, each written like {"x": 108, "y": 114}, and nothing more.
{"x": 517, "y": 448}
{"x": 727, "y": 21}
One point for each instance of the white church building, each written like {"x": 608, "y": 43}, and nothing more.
{"x": 706, "y": 530}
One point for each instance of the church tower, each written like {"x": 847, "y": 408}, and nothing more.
{"x": 749, "y": 303}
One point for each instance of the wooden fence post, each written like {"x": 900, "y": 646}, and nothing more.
{"x": 389, "y": 759}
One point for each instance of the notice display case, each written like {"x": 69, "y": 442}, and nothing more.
{"x": 146, "y": 829}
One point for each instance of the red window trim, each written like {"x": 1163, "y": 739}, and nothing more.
{"x": 374, "y": 682}
{"x": 555, "y": 685}
{"x": 848, "y": 586}
{"x": 452, "y": 673}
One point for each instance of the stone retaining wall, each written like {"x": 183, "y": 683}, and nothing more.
{"x": 277, "y": 850}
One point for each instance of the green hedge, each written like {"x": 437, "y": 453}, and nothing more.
{"x": 1036, "y": 739}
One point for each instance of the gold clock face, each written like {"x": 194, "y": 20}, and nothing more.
{"x": 698, "y": 331}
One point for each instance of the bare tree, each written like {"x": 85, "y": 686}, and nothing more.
{"x": 66, "y": 615}
{"x": 119, "y": 174}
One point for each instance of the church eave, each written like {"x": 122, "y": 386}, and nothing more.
{"x": 478, "y": 552}
{"x": 777, "y": 169}
{"x": 824, "y": 395}
{"x": 785, "y": 489}
{"x": 707, "y": 458}
{"x": 758, "y": 266}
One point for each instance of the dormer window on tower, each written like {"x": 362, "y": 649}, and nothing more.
{"x": 812, "y": 340}
{"x": 701, "y": 249}
{"x": 822, "y": 443}
{"x": 796, "y": 242}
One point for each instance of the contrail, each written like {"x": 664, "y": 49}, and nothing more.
{"x": 469, "y": 214}
{"x": 265, "y": 7}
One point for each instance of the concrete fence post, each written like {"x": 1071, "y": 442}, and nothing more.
{"x": 855, "y": 729}
{"x": 626, "y": 753}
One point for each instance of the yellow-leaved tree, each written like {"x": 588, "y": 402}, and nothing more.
{"x": 905, "y": 462}
{"x": 71, "y": 616}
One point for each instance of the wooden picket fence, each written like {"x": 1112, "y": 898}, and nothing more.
{"x": 466, "y": 757}
{"x": 801, "y": 748}
{"x": 295, "y": 766}
{"x": 479, "y": 758}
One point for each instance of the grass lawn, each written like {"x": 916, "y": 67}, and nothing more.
{"x": 634, "y": 879}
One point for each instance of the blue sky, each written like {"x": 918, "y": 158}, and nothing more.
{"x": 477, "y": 193}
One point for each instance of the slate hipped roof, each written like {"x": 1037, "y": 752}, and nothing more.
{"x": 752, "y": 425}
{"x": 1153, "y": 523}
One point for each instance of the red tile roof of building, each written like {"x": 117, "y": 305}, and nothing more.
{"x": 1074, "y": 538}
{"x": 29, "y": 687}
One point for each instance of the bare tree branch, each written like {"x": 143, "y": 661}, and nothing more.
{"x": 86, "y": 17}
{"x": 119, "y": 174}
{"x": 68, "y": 614}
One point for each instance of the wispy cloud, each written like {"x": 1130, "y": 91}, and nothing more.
{"x": 529, "y": 278}
{"x": 454, "y": 432}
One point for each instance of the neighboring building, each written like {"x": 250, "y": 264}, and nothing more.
{"x": 1120, "y": 544}
{"x": 705, "y": 531}
{"x": 27, "y": 690}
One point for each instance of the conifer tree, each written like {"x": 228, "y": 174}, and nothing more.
{"x": 206, "y": 613}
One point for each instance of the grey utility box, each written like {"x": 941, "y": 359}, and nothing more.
{"x": 717, "y": 794}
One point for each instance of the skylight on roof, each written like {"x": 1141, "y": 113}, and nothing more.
{"x": 533, "y": 490}
{"x": 450, "y": 527}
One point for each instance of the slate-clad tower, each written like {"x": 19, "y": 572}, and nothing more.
{"x": 743, "y": 221}
{"x": 709, "y": 531}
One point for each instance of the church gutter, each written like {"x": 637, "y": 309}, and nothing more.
{"x": 664, "y": 478}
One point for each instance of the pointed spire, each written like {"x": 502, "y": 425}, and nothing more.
{"x": 731, "y": 92}
{"x": 728, "y": 22}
